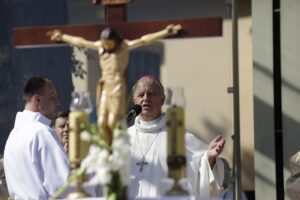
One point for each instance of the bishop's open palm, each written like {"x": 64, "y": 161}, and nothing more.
{"x": 215, "y": 147}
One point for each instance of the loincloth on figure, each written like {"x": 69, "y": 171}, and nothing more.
{"x": 111, "y": 97}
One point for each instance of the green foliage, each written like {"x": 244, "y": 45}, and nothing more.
{"x": 72, "y": 178}
{"x": 77, "y": 69}
{"x": 115, "y": 189}
{"x": 97, "y": 137}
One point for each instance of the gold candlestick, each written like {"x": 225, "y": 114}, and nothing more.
{"x": 176, "y": 147}
{"x": 175, "y": 126}
{"x": 78, "y": 149}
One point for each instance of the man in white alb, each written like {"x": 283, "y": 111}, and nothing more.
{"x": 205, "y": 172}
{"x": 35, "y": 162}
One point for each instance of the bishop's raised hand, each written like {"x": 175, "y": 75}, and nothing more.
{"x": 215, "y": 148}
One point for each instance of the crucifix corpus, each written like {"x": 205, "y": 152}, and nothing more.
{"x": 113, "y": 56}
{"x": 113, "y": 49}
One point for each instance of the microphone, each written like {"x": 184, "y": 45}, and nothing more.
{"x": 134, "y": 111}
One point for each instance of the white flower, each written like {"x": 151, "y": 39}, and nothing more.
{"x": 121, "y": 143}
{"x": 101, "y": 163}
{"x": 85, "y": 136}
{"x": 116, "y": 162}
{"x": 95, "y": 158}
{"x": 102, "y": 176}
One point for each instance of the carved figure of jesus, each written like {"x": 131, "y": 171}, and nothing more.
{"x": 113, "y": 57}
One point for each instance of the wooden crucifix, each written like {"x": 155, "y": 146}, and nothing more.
{"x": 113, "y": 78}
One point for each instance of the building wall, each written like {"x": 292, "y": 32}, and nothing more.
{"x": 290, "y": 51}
{"x": 265, "y": 177}
{"x": 246, "y": 94}
{"x": 263, "y": 100}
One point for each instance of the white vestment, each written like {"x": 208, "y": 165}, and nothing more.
{"x": 149, "y": 139}
{"x": 35, "y": 162}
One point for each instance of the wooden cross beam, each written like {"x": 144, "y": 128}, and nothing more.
{"x": 201, "y": 27}
{"x": 115, "y": 16}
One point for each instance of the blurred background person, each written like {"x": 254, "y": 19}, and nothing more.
{"x": 227, "y": 193}
{"x": 60, "y": 124}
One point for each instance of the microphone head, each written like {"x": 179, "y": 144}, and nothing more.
{"x": 134, "y": 111}
{"x": 137, "y": 109}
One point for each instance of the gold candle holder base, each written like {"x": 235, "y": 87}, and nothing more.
{"x": 177, "y": 171}
{"x": 79, "y": 193}
{"x": 177, "y": 190}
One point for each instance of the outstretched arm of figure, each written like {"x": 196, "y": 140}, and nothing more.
{"x": 215, "y": 148}
{"x": 168, "y": 31}
{"x": 57, "y": 35}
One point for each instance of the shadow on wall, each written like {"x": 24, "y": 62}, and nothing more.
{"x": 214, "y": 128}
{"x": 263, "y": 121}
{"x": 268, "y": 74}
{"x": 264, "y": 127}
{"x": 217, "y": 128}
{"x": 264, "y": 143}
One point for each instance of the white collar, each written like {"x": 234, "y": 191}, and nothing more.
{"x": 153, "y": 126}
{"x": 29, "y": 116}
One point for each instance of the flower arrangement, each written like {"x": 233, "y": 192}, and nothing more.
{"x": 108, "y": 165}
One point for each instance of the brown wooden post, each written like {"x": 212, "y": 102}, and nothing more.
{"x": 115, "y": 13}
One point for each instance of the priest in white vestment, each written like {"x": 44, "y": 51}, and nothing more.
{"x": 205, "y": 172}
{"x": 35, "y": 162}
